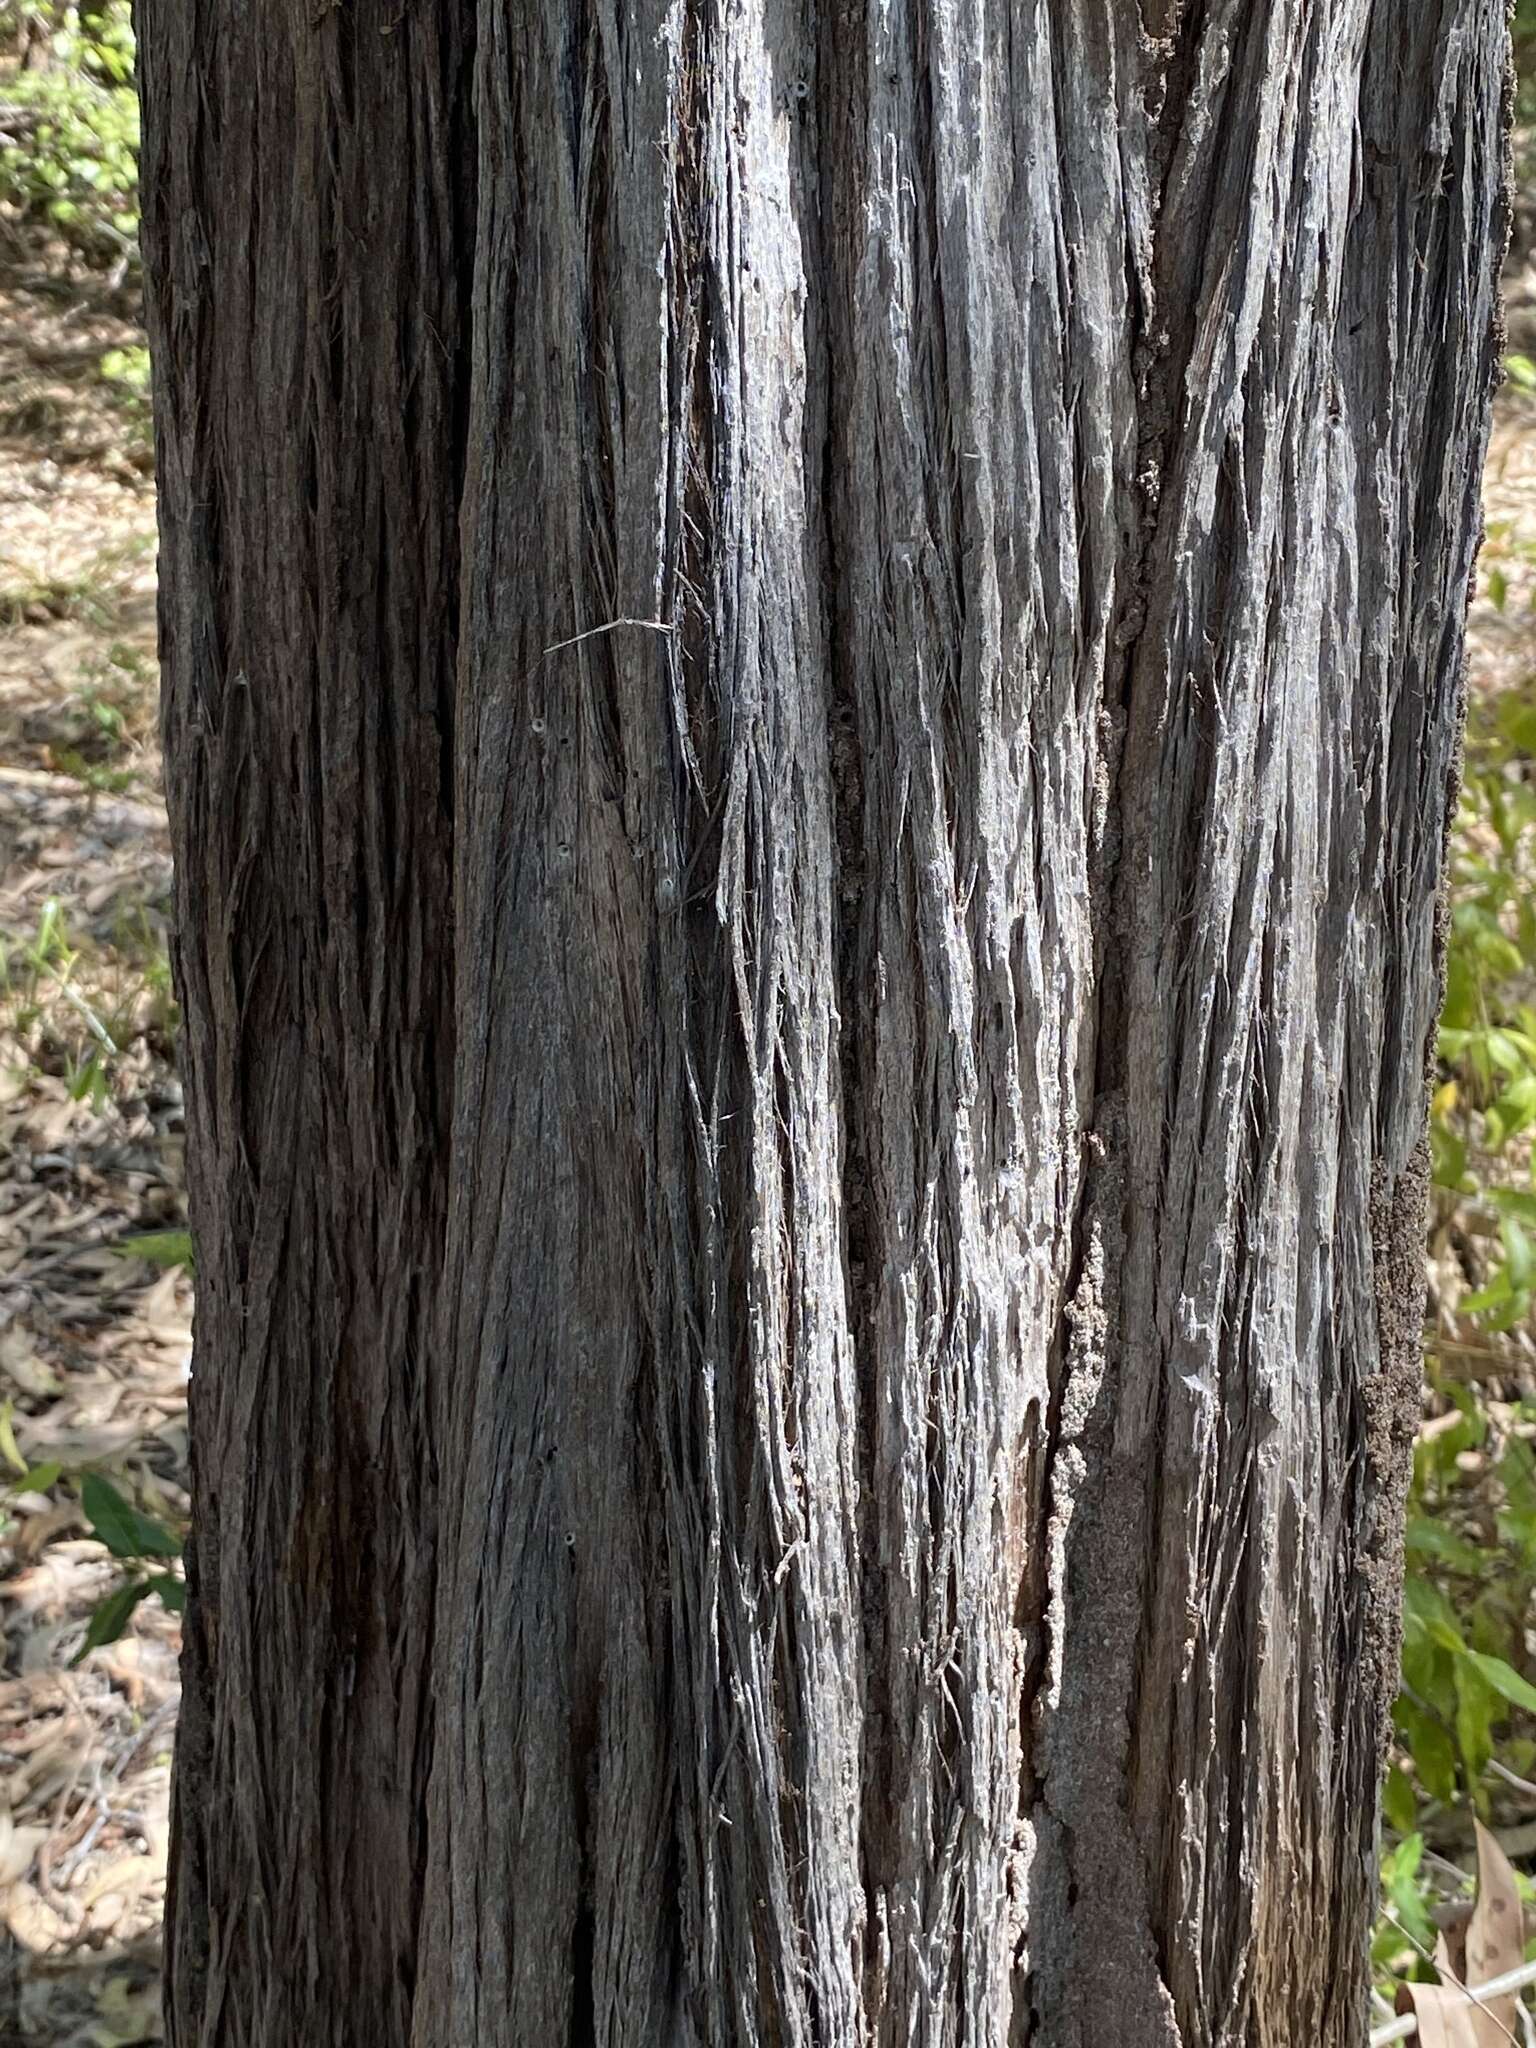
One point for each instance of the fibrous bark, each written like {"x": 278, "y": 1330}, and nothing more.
{"x": 306, "y": 297}
{"x": 944, "y": 1022}
{"x": 967, "y": 524}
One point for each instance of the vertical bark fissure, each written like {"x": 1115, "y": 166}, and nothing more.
{"x": 841, "y": 112}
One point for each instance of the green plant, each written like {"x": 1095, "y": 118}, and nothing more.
{"x": 70, "y": 153}
{"x": 147, "y": 1549}
{"x": 1523, "y": 27}
{"x": 1471, "y": 1578}
{"x": 1466, "y": 1715}
{"x": 1405, "y": 1931}
{"x": 75, "y": 1010}
{"x": 102, "y": 726}
{"x": 41, "y": 598}
{"x": 125, "y": 373}
{"x": 40, "y": 973}
{"x": 164, "y": 1248}
{"x": 1484, "y": 1107}
{"x": 143, "y": 1545}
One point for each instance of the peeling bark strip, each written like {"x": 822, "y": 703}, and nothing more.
{"x": 308, "y": 204}
{"x": 968, "y": 515}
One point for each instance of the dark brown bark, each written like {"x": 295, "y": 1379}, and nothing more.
{"x": 966, "y": 533}
{"x": 308, "y": 205}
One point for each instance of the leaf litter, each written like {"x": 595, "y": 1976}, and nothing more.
{"x": 95, "y": 1328}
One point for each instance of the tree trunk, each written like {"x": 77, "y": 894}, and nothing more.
{"x": 307, "y": 288}
{"x": 966, "y": 533}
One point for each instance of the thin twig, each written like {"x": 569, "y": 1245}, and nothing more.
{"x": 1503, "y": 1771}
{"x": 98, "y": 1030}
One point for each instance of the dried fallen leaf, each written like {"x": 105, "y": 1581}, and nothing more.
{"x": 1495, "y": 1938}
{"x": 129, "y": 1875}
{"x": 1449, "y": 2014}
{"x": 33, "y": 1533}
{"x": 18, "y": 1846}
{"x": 31, "y": 1920}
{"x": 1444, "y": 2015}
{"x": 20, "y": 1364}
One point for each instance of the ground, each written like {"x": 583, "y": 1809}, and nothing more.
{"x": 94, "y": 1343}
{"x": 95, "y": 1333}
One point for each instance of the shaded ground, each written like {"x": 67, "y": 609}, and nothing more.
{"x": 94, "y": 1345}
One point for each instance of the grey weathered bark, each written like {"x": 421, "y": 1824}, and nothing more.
{"x": 967, "y": 524}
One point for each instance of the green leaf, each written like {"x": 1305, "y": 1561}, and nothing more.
{"x": 173, "y": 1592}
{"x": 50, "y": 932}
{"x": 38, "y": 1478}
{"x": 1460, "y": 1009}
{"x": 125, "y": 1532}
{"x": 1503, "y": 1678}
{"x": 1404, "y": 1860}
{"x": 1448, "y": 1151}
{"x": 1498, "y": 1291}
{"x": 1475, "y": 1713}
{"x": 1430, "y": 1746}
{"x": 1426, "y": 1611}
{"x": 1512, "y": 1052}
{"x": 1517, "y": 1518}
{"x": 1431, "y": 1541}
{"x": 1397, "y": 1801}
{"x": 111, "y": 1616}
{"x": 1403, "y": 1887}
{"x": 1427, "y": 1675}
{"x": 1512, "y": 1111}
{"x": 1514, "y": 1311}
{"x": 1519, "y": 1253}
{"x": 1515, "y": 716}
{"x": 161, "y": 1247}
